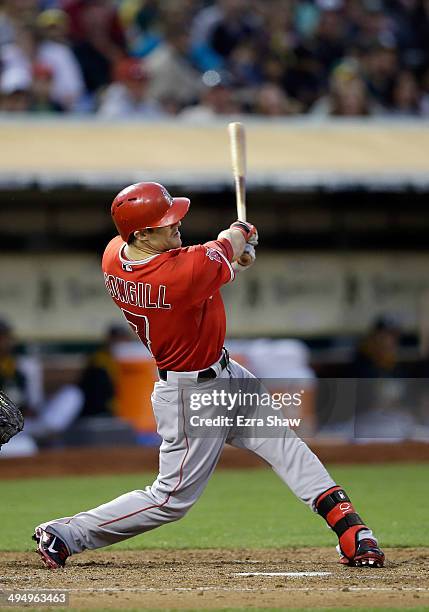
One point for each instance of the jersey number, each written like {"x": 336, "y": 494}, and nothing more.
{"x": 140, "y": 324}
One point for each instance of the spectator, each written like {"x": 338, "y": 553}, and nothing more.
{"x": 424, "y": 91}
{"x": 34, "y": 45}
{"x": 204, "y": 22}
{"x": 215, "y": 101}
{"x": 277, "y": 33}
{"x": 94, "y": 394}
{"x": 244, "y": 66}
{"x": 406, "y": 96}
{"x": 12, "y": 14}
{"x": 369, "y": 22}
{"x": 56, "y": 415}
{"x": 380, "y": 66}
{"x": 97, "y": 38}
{"x": 21, "y": 379}
{"x": 235, "y": 26}
{"x": 377, "y": 354}
{"x": 302, "y": 78}
{"x": 409, "y": 19}
{"x": 350, "y": 99}
{"x": 348, "y": 95}
{"x": 379, "y": 406}
{"x": 382, "y": 404}
{"x": 41, "y": 96}
{"x": 15, "y": 87}
{"x": 273, "y": 69}
{"x": 67, "y": 86}
{"x": 170, "y": 67}
{"x": 20, "y": 54}
{"x": 329, "y": 44}
{"x": 99, "y": 378}
{"x": 127, "y": 96}
{"x": 84, "y": 14}
{"x": 271, "y": 101}
{"x": 7, "y": 30}
{"x": 142, "y": 25}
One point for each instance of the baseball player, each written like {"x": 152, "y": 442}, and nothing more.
{"x": 170, "y": 296}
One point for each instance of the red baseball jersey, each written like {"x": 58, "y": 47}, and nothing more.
{"x": 172, "y": 300}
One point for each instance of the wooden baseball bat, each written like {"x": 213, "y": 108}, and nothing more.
{"x": 237, "y": 140}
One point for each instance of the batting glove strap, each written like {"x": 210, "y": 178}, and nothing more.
{"x": 248, "y": 230}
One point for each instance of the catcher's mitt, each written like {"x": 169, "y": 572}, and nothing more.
{"x": 11, "y": 419}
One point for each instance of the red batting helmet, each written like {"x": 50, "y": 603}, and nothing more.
{"x": 146, "y": 205}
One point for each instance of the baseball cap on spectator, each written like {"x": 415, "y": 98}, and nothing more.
{"x": 346, "y": 70}
{"x": 130, "y": 69}
{"x": 15, "y": 79}
{"x": 52, "y": 17}
{"x": 42, "y": 71}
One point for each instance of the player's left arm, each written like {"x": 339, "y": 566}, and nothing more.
{"x": 238, "y": 235}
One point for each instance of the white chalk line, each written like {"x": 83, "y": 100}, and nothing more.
{"x": 288, "y": 574}
{"x": 228, "y": 589}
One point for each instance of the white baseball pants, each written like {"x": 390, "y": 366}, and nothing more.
{"x": 185, "y": 465}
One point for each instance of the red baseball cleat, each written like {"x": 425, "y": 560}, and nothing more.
{"x": 367, "y": 554}
{"x": 51, "y": 548}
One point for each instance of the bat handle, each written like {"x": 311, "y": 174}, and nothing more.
{"x": 241, "y": 202}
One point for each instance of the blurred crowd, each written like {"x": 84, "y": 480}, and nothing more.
{"x": 198, "y": 59}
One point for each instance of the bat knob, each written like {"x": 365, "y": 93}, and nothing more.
{"x": 245, "y": 259}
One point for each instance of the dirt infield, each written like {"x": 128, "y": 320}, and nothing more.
{"x": 209, "y": 579}
{"x": 134, "y": 459}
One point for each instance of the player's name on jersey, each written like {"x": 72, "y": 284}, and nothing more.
{"x": 129, "y": 292}
{"x": 239, "y": 420}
